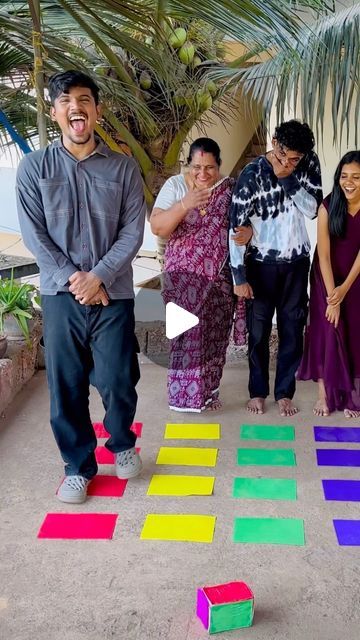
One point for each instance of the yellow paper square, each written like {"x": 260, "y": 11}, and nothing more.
{"x": 187, "y": 528}
{"x": 191, "y": 456}
{"x": 171, "y": 485}
{"x": 195, "y": 431}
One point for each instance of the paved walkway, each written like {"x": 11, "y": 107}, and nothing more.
{"x": 132, "y": 589}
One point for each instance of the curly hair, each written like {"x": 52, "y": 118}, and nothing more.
{"x": 295, "y": 136}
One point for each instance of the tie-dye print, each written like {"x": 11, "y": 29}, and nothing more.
{"x": 275, "y": 207}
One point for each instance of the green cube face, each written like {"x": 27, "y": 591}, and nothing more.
{"x": 235, "y": 615}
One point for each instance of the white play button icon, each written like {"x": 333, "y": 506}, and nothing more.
{"x": 178, "y": 320}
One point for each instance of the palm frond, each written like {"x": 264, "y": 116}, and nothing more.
{"x": 323, "y": 67}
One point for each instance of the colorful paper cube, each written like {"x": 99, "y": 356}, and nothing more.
{"x": 225, "y": 606}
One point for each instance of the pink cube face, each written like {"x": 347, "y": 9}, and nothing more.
{"x": 229, "y": 592}
{"x": 203, "y": 608}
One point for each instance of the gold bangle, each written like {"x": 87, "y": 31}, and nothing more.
{"x": 182, "y": 204}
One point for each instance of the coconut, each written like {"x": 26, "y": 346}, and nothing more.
{"x": 186, "y": 52}
{"x": 145, "y": 80}
{"x": 177, "y": 38}
{"x": 197, "y": 60}
{"x": 204, "y": 100}
{"x": 101, "y": 69}
{"x": 167, "y": 26}
{"x": 179, "y": 98}
{"x": 211, "y": 88}
{"x": 190, "y": 99}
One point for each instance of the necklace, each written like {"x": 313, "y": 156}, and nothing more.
{"x": 203, "y": 211}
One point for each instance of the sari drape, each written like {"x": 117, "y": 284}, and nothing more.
{"x": 197, "y": 278}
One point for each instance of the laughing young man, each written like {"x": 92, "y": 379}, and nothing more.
{"x": 274, "y": 193}
{"x": 81, "y": 210}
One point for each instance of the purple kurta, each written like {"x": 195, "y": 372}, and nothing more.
{"x": 329, "y": 353}
{"x": 197, "y": 277}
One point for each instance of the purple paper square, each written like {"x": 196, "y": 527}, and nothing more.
{"x": 338, "y": 457}
{"x": 348, "y": 532}
{"x": 346, "y": 490}
{"x": 337, "y": 434}
{"x": 203, "y": 608}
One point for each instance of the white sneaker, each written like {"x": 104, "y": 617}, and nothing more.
{"x": 73, "y": 489}
{"x": 128, "y": 464}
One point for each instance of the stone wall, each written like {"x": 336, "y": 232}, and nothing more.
{"x": 153, "y": 343}
{"x": 17, "y": 367}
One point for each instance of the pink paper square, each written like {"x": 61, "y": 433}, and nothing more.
{"x": 101, "y": 432}
{"x": 229, "y": 592}
{"x": 104, "y": 456}
{"x": 137, "y": 428}
{"x": 78, "y": 526}
{"x": 109, "y": 486}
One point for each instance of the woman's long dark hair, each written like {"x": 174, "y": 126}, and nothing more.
{"x": 338, "y": 207}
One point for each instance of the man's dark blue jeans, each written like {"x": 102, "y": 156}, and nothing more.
{"x": 83, "y": 343}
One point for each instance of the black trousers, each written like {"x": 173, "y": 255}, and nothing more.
{"x": 83, "y": 343}
{"x": 281, "y": 287}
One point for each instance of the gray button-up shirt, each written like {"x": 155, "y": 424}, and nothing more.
{"x": 81, "y": 215}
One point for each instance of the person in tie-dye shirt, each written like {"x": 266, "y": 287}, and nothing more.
{"x": 274, "y": 193}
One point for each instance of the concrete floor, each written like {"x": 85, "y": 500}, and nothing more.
{"x": 129, "y": 589}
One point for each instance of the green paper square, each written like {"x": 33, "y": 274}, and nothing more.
{"x": 266, "y": 432}
{"x": 275, "y": 457}
{"x": 269, "y": 531}
{"x": 235, "y": 615}
{"x": 264, "y": 488}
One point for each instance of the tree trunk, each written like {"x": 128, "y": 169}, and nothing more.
{"x": 34, "y": 6}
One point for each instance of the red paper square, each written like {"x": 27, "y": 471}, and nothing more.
{"x": 229, "y": 592}
{"x": 109, "y": 486}
{"x": 78, "y": 526}
{"x": 101, "y": 432}
{"x": 104, "y": 456}
{"x": 137, "y": 428}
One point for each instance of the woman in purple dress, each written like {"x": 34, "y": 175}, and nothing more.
{"x": 191, "y": 210}
{"x": 332, "y": 345}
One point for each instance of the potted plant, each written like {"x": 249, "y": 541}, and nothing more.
{"x": 16, "y": 308}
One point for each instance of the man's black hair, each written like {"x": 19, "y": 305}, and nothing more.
{"x": 295, "y": 136}
{"x": 62, "y": 83}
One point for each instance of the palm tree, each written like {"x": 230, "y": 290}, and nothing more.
{"x": 161, "y": 67}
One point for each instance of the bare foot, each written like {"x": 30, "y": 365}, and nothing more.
{"x": 349, "y": 413}
{"x": 321, "y": 408}
{"x": 214, "y": 405}
{"x": 286, "y": 407}
{"x": 256, "y": 405}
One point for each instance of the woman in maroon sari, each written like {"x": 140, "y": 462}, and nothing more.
{"x": 332, "y": 345}
{"x": 192, "y": 212}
